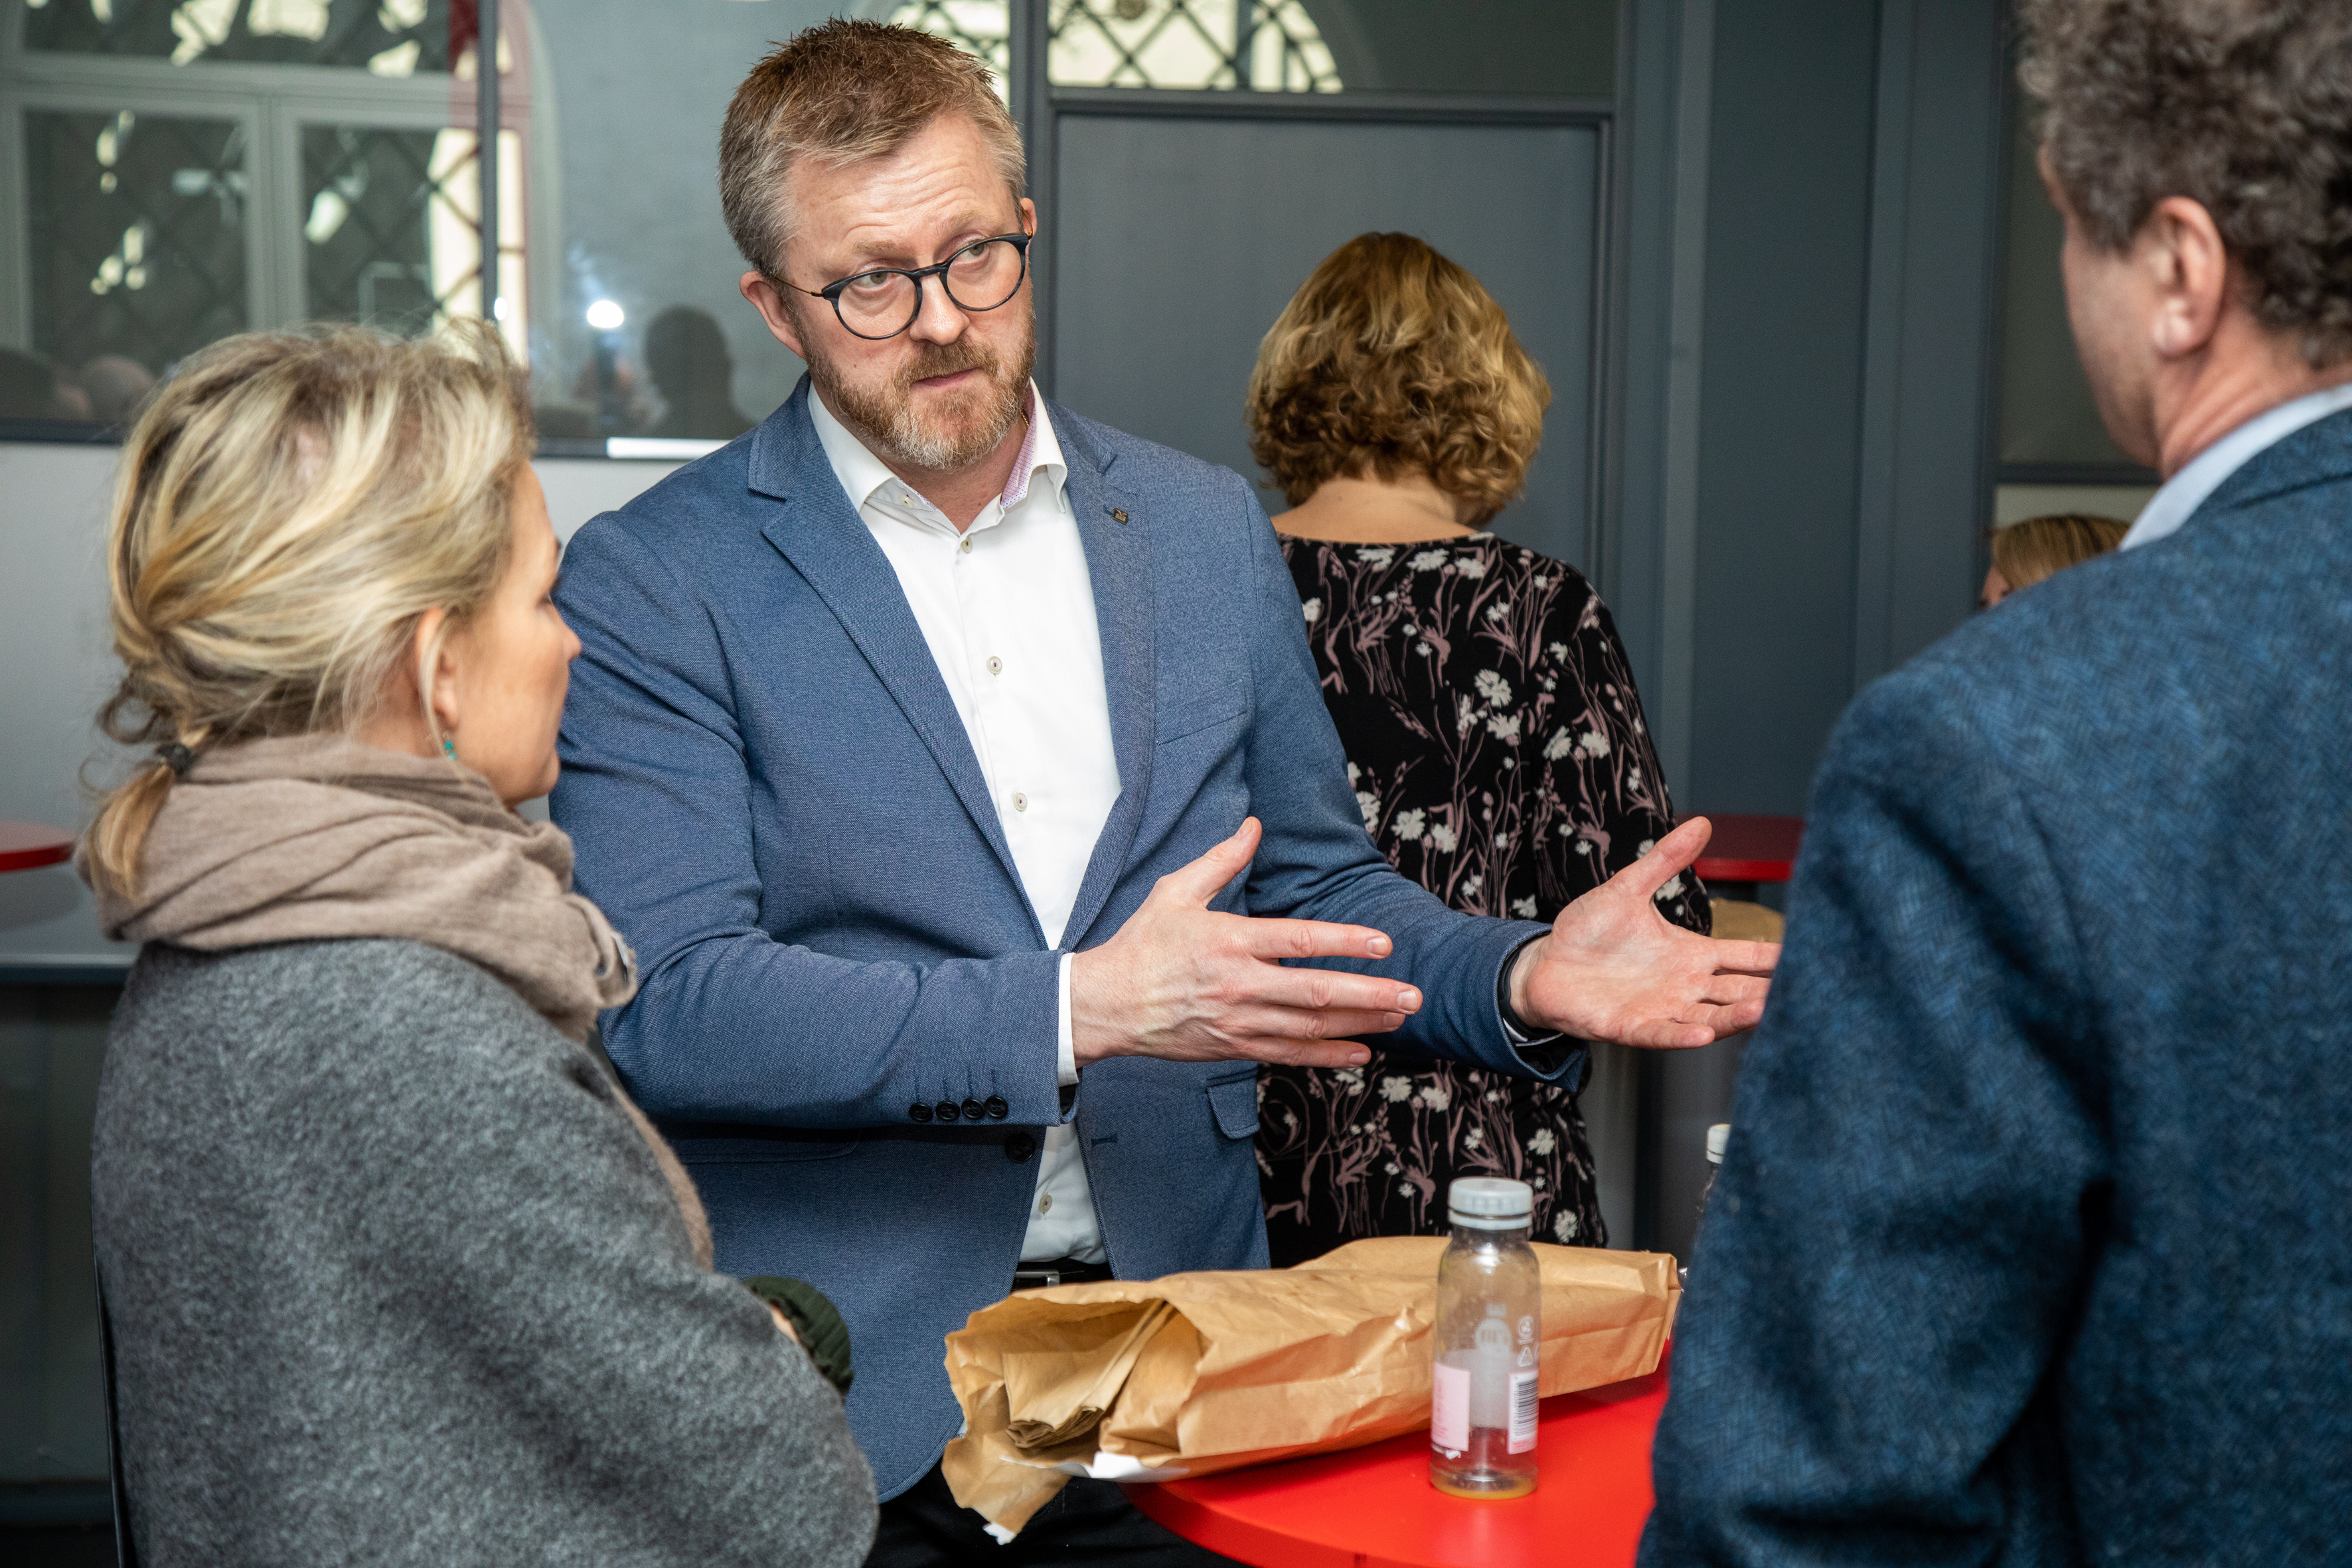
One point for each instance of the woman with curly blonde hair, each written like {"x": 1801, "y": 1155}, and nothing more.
{"x": 1493, "y": 733}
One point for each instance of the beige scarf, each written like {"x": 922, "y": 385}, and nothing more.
{"x": 310, "y": 838}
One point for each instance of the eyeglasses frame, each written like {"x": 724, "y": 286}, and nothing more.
{"x": 831, "y": 293}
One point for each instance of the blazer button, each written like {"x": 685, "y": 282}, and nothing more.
{"x": 996, "y": 1108}
{"x": 1019, "y": 1147}
{"x": 918, "y": 1112}
{"x": 947, "y": 1110}
{"x": 974, "y": 1111}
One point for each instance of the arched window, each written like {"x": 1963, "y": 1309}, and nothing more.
{"x": 1267, "y": 46}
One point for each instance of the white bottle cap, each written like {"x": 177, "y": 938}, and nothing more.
{"x": 1489, "y": 1203}
{"x": 1716, "y": 1137}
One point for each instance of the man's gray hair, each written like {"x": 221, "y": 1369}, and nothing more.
{"x": 2243, "y": 106}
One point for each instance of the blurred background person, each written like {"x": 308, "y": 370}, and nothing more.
{"x": 2025, "y": 553}
{"x": 115, "y": 384}
{"x": 1493, "y": 737}
{"x": 389, "y": 1261}
{"x": 32, "y": 388}
{"x": 687, "y": 358}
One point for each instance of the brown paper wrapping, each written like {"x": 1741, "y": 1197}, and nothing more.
{"x": 1148, "y": 1380}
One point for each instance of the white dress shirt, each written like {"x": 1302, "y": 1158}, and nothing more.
{"x": 2199, "y": 478}
{"x": 1007, "y": 608}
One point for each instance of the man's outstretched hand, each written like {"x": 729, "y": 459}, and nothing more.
{"x": 1184, "y": 981}
{"x": 1614, "y": 968}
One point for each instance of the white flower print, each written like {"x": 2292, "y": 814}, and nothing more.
{"x": 1672, "y": 890}
{"x": 1377, "y": 555}
{"x": 1354, "y": 773}
{"x": 1645, "y": 847}
{"x": 1427, "y": 561}
{"x": 1474, "y": 1137}
{"x": 1558, "y": 652}
{"x": 1584, "y": 847}
{"x": 1504, "y": 727}
{"x": 1396, "y": 1090}
{"x": 1564, "y": 1226}
{"x": 1314, "y": 608}
{"x": 1465, "y": 713}
{"x": 1496, "y": 611}
{"x": 1472, "y": 883}
{"x": 1543, "y": 1142}
{"x": 1494, "y": 688}
{"x": 1471, "y": 566}
{"x": 1443, "y": 838}
{"x": 1632, "y": 778}
{"x": 1554, "y": 749}
{"x": 1407, "y": 823}
{"x": 1592, "y": 743}
{"x": 1371, "y": 803}
{"x": 1435, "y": 1096}
{"x": 1524, "y": 908}
{"x": 1394, "y": 1169}
{"x": 1353, "y": 1077}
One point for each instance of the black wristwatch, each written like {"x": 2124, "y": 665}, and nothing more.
{"x": 1516, "y": 1027}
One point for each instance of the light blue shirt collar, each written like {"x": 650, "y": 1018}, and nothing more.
{"x": 2186, "y": 491}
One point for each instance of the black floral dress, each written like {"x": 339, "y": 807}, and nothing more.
{"x": 1499, "y": 752}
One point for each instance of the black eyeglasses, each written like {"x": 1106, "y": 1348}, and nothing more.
{"x": 884, "y": 302}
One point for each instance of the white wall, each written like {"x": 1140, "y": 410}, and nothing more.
{"x": 57, "y": 666}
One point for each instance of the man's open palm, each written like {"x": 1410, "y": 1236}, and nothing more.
{"x": 1614, "y": 968}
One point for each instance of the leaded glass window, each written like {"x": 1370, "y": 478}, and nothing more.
{"x": 137, "y": 226}
{"x": 1268, "y": 46}
{"x": 388, "y": 38}
{"x": 390, "y": 233}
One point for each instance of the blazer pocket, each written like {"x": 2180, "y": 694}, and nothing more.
{"x": 758, "y": 1151}
{"x": 1234, "y": 1103}
{"x": 1195, "y": 714}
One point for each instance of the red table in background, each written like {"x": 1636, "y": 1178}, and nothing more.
{"x": 1749, "y": 849}
{"x": 24, "y": 848}
{"x": 1374, "y": 1508}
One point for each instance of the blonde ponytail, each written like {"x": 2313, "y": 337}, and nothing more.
{"x": 287, "y": 506}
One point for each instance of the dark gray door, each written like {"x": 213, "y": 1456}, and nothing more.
{"x": 1182, "y": 223}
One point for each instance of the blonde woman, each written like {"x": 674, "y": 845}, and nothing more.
{"x": 1492, "y": 729}
{"x": 393, "y": 1268}
{"x": 2025, "y": 553}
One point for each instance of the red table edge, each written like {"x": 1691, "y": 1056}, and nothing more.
{"x": 1711, "y": 869}
{"x": 40, "y": 846}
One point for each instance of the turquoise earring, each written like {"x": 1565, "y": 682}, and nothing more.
{"x": 448, "y": 748}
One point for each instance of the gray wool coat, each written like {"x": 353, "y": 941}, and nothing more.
{"x": 392, "y": 1278}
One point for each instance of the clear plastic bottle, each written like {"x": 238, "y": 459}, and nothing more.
{"x": 1487, "y": 1347}
{"x": 1719, "y": 1137}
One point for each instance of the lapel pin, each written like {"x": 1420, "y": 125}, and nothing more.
{"x": 1117, "y": 515}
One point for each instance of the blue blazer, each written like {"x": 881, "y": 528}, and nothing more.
{"x": 2033, "y": 1242}
{"x": 774, "y": 800}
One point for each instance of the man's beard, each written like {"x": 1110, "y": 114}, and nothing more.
{"x": 953, "y": 439}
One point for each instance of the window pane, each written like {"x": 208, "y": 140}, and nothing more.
{"x": 1531, "y": 47}
{"x": 136, "y": 229}
{"x": 390, "y": 227}
{"x": 389, "y": 38}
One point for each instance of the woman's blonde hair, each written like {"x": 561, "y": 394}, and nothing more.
{"x": 1392, "y": 360}
{"x": 287, "y": 506}
{"x": 2025, "y": 553}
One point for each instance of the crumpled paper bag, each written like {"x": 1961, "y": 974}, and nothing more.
{"x": 1186, "y": 1375}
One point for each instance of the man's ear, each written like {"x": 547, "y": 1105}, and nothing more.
{"x": 2192, "y": 273}
{"x": 769, "y": 300}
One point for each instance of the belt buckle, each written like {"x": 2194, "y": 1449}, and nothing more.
{"x": 1035, "y": 1279}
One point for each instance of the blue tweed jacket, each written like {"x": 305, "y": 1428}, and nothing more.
{"x": 773, "y": 798}
{"x": 2033, "y": 1243}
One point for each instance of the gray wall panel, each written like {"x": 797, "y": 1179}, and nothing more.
{"x": 1181, "y": 240}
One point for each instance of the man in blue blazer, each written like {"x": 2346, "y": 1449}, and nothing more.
{"x": 945, "y": 754}
{"x": 2031, "y": 1244}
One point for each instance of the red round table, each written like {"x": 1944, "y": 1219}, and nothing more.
{"x": 24, "y": 846}
{"x": 1749, "y": 849}
{"x": 1374, "y": 1508}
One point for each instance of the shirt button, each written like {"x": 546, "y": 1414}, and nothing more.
{"x": 906, "y": 499}
{"x": 965, "y": 546}
{"x": 1045, "y": 1203}
{"x": 995, "y": 665}
{"x": 1020, "y": 801}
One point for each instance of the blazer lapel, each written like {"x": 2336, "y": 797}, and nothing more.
{"x": 1116, "y": 528}
{"x": 821, "y": 534}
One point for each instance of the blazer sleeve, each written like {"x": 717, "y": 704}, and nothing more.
{"x": 1896, "y": 1244}
{"x": 729, "y": 1025}
{"x": 1317, "y": 862}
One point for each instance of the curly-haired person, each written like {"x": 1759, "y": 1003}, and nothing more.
{"x": 1493, "y": 737}
{"x": 2029, "y": 1244}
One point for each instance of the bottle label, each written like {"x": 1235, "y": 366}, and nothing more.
{"x": 1523, "y": 1412}
{"x": 1449, "y": 1410}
